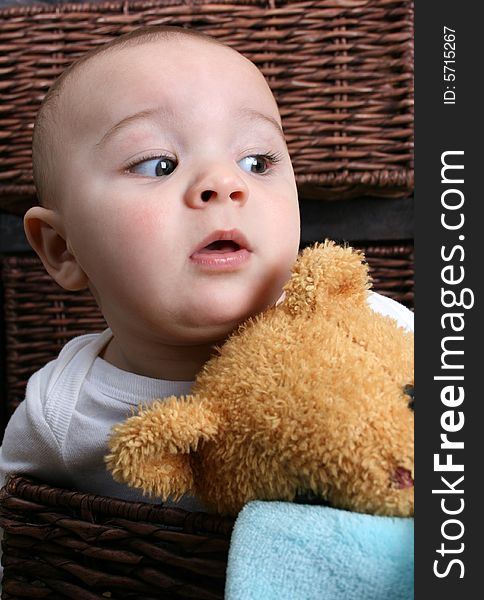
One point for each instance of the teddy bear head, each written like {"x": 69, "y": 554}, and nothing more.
{"x": 312, "y": 400}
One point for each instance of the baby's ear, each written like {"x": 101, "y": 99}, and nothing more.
{"x": 325, "y": 274}
{"x": 45, "y": 232}
{"x": 151, "y": 450}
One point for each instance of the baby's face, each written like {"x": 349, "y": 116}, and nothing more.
{"x": 177, "y": 192}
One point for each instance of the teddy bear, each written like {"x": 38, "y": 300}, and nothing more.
{"x": 312, "y": 398}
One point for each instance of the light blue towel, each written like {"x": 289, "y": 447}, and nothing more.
{"x": 283, "y": 551}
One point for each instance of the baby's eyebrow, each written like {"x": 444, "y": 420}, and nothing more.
{"x": 142, "y": 114}
{"x": 149, "y": 112}
{"x": 255, "y": 114}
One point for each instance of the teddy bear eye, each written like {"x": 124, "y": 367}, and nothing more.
{"x": 409, "y": 390}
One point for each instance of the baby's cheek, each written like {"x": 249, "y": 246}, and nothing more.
{"x": 287, "y": 232}
{"x": 142, "y": 223}
{"x": 137, "y": 238}
{"x": 124, "y": 245}
{"x": 286, "y": 211}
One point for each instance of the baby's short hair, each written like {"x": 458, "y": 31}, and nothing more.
{"x": 43, "y": 140}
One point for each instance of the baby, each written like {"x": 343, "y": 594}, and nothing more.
{"x": 166, "y": 188}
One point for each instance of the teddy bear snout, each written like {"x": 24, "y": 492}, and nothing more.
{"x": 409, "y": 391}
{"x": 402, "y": 478}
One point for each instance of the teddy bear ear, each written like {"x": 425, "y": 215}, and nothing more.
{"x": 151, "y": 450}
{"x": 324, "y": 273}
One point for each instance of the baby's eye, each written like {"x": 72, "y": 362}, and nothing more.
{"x": 154, "y": 167}
{"x": 255, "y": 164}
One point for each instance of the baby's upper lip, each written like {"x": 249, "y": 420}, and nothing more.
{"x": 233, "y": 235}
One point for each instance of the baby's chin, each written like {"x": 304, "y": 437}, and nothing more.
{"x": 222, "y": 314}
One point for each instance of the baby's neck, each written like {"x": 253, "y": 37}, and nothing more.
{"x": 173, "y": 363}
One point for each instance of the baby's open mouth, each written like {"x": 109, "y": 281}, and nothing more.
{"x": 223, "y": 241}
{"x": 222, "y": 250}
{"x": 220, "y": 247}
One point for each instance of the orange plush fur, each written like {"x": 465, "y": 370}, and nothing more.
{"x": 307, "y": 397}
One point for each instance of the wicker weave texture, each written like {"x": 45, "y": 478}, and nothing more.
{"x": 63, "y": 544}
{"x": 40, "y": 317}
{"x": 341, "y": 71}
{"x": 392, "y": 271}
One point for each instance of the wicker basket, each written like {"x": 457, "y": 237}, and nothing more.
{"x": 341, "y": 71}
{"x": 62, "y": 544}
{"x": 392, "y": 270}
{"x": 40, "y": 317}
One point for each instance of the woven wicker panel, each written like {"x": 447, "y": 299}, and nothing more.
{"x": 41, "y": 317}
{"x": 62, "y": 544}
{"x": 392, "y": 270}
{"x": 341, "y": 71}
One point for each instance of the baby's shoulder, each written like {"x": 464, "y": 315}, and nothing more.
{"x": 57, "y": 384}
{"x": 88, "y": 346}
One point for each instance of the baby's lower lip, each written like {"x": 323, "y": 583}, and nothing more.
{"x": 220, "y": 260}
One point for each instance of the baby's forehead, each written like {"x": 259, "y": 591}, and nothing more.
{"x": 173, "y": 54}
{"x": 176, "y": 71}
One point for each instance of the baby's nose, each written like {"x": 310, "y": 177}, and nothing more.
{"x": 221, "y": 185}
